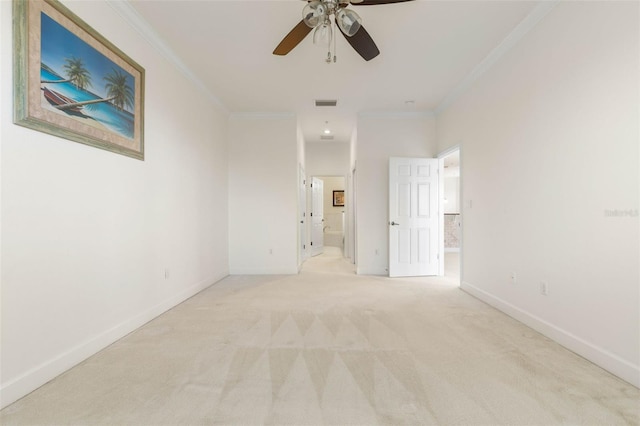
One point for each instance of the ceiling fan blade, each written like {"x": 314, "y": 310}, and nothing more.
{"x": 362, "y": 43}
{"x": 375, "y": 2}
{"x": 291, "y": 40}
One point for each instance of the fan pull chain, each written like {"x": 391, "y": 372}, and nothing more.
{"x": 335, "y": 55}
{"x": 328, "y": 60}
{"x": 329, "y": 56}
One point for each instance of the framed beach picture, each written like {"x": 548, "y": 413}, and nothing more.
{"x": 338, "y": 198}
{"x": 73, "y": 83}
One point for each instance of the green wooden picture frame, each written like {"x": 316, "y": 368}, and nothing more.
{"x": 71, "y": 82}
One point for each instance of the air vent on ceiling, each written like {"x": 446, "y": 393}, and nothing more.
{"x": 326, "y": 137}
{"x": 326, "y": 102}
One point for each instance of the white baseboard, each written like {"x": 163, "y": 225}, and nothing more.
{"x": 372, "y": 271}
{"x": 599, "y": 356}
{"x": 264, "y": 271}
{"x": 38, "y": 376}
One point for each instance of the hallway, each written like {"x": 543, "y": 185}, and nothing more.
{"x": 330, "y": 261}
{"x": 331, "y": 347}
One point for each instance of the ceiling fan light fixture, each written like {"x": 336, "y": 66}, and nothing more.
{"x": 323, "y": 34}
{"x": 322, "y": 15}
{"x": 313, "y": 13}
{"x": 348, "y": 21}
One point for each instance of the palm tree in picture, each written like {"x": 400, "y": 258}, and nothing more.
{"x": 119, "y": 93}
{"x": 76, "y": 73}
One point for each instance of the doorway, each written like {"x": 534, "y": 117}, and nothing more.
{"x": 451, "y": 214}
{"x": 328, "y": 213}
{"x": 302, "y": 216}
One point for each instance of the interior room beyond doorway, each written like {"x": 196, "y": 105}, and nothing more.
{"x": 452, "y": 209}
{"x": 333, "y": 208}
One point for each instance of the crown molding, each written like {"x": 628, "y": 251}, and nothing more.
{"x": 530, "y": 21}
{"x": 131, "y": 16}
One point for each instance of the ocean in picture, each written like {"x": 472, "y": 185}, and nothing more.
{"x": 118, "y": 121}
{"x": 79, "y": 81}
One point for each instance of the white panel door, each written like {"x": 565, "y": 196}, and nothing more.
{"x": 317, "y": 216}
{"x": 413, "y": 217}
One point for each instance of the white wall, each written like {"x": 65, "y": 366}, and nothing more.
{"x": 550, "y": 143}
{"x": 381, "y": 137}
{"x": 301, "y": 147}
{"x": 327, "y": 159}
{"x": 87, "y": 234}
{"x": 451, "y": 194}
{"x": 263, "y": 194}
{"x": 353, "y": 147}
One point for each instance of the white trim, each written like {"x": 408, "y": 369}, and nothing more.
{"x": 133, "y": 18}
{"x": 441, "y": 249}
{"x": 441, "y": 156}
{"x": 530, "y": 21}
{"x": 265, "y": 271}
{"x": 372, "y": 271}
{"x": 45, "y": 372}
{"x": 447, "y": 152}
{"x": 302, "y": 249}
{"x": 599, "y": 356}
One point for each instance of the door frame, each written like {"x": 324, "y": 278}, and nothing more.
{"x": 302, "y": 216}
{"x": 441, "y": 156}
{"x": 349, "y": 228}
{"x": 352, "y": 222}
{"x": 312, "y": 249}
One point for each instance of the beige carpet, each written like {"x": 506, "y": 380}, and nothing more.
{"x": 329, "y": 347}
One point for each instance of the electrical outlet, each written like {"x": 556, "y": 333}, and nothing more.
{"x": 377, "y": 252}
{"x": 513, "y": 278}
{"x": 166, "y": 273}
{"x": 270, "y": 251}
{"x": 544, "y": 288}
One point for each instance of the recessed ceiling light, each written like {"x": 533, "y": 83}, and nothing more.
{"x": 410, "y": 103}
{"x": 327, "y": 131}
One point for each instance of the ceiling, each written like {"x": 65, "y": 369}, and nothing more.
{"x": 427, "y": 49}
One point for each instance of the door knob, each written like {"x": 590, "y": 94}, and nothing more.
{"x": 394, "y": 224}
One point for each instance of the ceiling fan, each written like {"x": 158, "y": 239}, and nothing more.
{"x": 317, "y": 14}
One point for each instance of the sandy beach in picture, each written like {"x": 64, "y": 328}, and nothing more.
{"x": 84, "y": 119}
